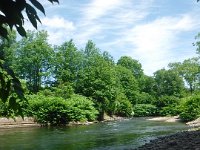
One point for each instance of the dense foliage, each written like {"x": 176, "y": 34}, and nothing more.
{"x": 58, "y": 111}
{"x": 190, "y": 108}
{"x": 142, "y": 110}
{"x": 63, "y": 83}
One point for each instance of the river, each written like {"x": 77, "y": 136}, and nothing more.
{"x": 124, "y": 134}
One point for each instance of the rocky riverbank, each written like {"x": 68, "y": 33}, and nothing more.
{"x": 187, "y": 140}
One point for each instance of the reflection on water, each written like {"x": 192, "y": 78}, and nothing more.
{"x": 108, "y": 135}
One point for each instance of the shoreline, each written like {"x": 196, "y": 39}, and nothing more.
{"x": 194, "y": 123}
{"x": 166, "y": 119}
{"x": 184, "y": 140}
{"x": 30, "y": 122}
{"x": 19, "y": 122}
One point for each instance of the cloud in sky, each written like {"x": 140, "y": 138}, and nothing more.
{"x": 138, "y": 28}
{"x": 155, "y": 42}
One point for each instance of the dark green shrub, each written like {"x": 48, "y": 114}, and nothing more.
{"x": 190, "y": 108}
{"x": 142, "y": 110}
{"x": 57, "y": 111}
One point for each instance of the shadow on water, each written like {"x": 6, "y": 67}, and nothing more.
{"x": 113, "y": 135}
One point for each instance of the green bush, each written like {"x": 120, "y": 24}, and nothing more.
{"x": 121, "y": 106}
{"x": 171, "y": 110}
{"x": 167, "y": 105}
{"x": 57, "y": 111}
{"x": 190, "y": 108}
{"x": 142, "y": 110}
{"x": 165, "y": 101}
{"x": 144, "y": 98}
{"x": 124, "y": 108}
{"x": 82, "y": 108}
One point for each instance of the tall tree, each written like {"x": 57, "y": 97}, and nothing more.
{"x": 68, "y": 62}
{"x": 33, "y": 59}
{"x": 128, "y": 82}
{"x": 97, "y": 79}
{"x": 10, "y": 86}
{"x": 168, "y": 83}
{"x": 190, "y": 72}
{"x": 133, "y": 65}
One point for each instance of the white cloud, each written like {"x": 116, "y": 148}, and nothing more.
{"x": 132, "y": 27}
{"x": 58, "y": 23}
{"x": 105, "y": 18}
{"x": 59, "y": 29}
{"x": 99, "y": 8}
{"x": 155, "y": 40}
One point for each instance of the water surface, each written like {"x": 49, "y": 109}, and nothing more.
{"x": 113, "y": 135}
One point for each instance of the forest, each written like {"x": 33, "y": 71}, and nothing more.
{"x": 62, "y": 83}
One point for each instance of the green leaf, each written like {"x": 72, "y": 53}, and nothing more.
{"x": 3, "y": 32}
{"x": 53, "y": 1}
{"x": 21, "y": 30}
{"x": 20, "y": 4}
{"x": 32, "y": 19}
{"x": 38, "y": 6}
{"x": 30, "y": 9}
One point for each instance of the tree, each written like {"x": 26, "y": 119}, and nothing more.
{"x": 133, "y": 65}
{"x": 96, "y": 79}
{"x": 68, "y": 62}
{"x": 33, "y": 59}
{"x": 10, "y": 86}
{"x": 147, "y": 84}
{"x": 11, "y": 14}
{"x": 128, "y": 82}
{"x": 189, "y": 71}
{"x": 168, "y": 83}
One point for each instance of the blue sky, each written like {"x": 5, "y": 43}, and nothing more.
{"x": 154, "y": 32}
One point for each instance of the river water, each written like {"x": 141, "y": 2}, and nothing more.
{"x": 124, "y": 134}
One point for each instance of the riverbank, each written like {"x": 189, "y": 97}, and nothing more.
{"x": 18, "y": 122}
{"x": 30, "y": 122}
{"x": 194, "y": 123}
{"x": 186, "y": 140}
{"x": 166, "y": 119}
